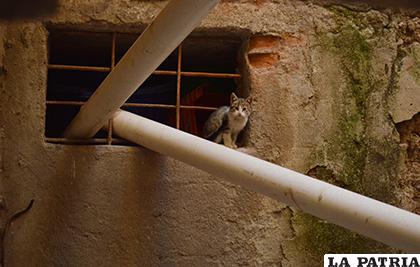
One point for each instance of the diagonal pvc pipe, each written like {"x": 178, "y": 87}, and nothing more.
{"x": 161, "y": 37}
{"x": 369, "y": 217}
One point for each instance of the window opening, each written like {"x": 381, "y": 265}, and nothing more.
{"x": 193, "y": 81}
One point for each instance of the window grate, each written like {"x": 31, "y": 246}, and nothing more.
{"x": 186, "y": 108}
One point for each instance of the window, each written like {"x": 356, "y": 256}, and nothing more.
{"x": 193, "y": 81}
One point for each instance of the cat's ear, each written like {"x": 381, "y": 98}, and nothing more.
{"x": 249, "y": 100}
{"x": 233, "y": 98}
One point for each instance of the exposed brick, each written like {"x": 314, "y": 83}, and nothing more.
{"x": 264, "y": 42}
{"x": 263, "y": 60}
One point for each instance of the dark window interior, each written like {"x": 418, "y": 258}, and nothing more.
{"x": 76, "y": 48}
{"x": 80, "y": 61}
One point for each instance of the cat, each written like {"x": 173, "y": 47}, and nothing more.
{"x": 224, "y": 124}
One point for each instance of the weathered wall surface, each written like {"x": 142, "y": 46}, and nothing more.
{"x": 2, "y": 200}
{"x": 335, "y": 96}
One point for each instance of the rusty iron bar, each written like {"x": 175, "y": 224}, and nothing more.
{"x": 109, "y": 138}
{"x": 96, "y": 141}
{"x": 48, "y": 51}
{"x": 145, "y": 105}
{"x": 178, "y": 88}
{"x": 140, "y": 105}
{"x": 166, "y": 72}
{"x": 198, "y": 107}
{"x": 156, "y": 72}
{"x": 110, "y": 126}
{"x": 79, "y": 68}
{"x": 210, "y": 74}
{"x": 65, "y": 103}
{"x": 114, "y": 40}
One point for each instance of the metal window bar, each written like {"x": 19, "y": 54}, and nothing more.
{"x": 109, "y": 134}
{"x": 156, "y": 72}
{"x": 139, "y": 105}
{"x": 178, "y": 88}
{"x": 110, "y": 139}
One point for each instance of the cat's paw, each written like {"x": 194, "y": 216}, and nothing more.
{"x": 231, "y": 146}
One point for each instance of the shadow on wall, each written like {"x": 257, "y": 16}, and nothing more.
{"x": 98, "y": 207}
{"x": 22, "y": 9}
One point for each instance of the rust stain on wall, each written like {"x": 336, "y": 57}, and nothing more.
{"x": 410, "y": 138}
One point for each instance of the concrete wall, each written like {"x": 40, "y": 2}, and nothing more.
{"x": 335, "y": 95}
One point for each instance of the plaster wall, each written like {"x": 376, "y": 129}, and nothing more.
{"x": 329, "y": 84}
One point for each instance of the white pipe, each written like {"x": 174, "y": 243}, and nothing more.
{"x": 372, "y": 218}
{"x": 161, "y": 37}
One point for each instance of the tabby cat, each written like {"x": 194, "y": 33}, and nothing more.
{"x": 224, "y": 124}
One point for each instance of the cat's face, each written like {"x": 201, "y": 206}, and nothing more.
{"x": 240, "y": 106}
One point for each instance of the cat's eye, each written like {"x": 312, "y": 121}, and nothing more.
{"x": 244, "y": 109}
